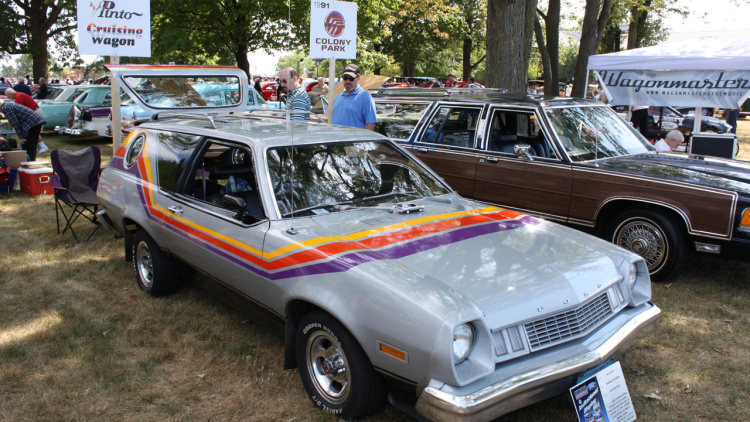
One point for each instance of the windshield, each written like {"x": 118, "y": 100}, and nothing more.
{"x": 185, "y": 91}
{"x": 589, "y": 133}
{"x": 324, "y": 178}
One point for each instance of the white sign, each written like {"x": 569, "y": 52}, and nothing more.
{"x": 333, "y": 30}
{"x": 604, "y": 397}
{"x": 114, "y": 28}
{"x": 709, "y": 88}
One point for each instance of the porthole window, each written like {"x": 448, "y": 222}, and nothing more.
{"x": 134, "y": 150}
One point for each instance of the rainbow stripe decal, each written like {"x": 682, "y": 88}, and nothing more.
{"x": 329, "y": 254}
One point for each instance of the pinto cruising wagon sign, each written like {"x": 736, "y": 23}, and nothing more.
{"x": 114, "y": 28}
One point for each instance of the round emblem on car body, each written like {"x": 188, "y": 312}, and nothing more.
{"x": 335, "y": 24}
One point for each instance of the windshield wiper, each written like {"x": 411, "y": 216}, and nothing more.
{"x": 388, "y": 195}
{"x": 315, "y": 207}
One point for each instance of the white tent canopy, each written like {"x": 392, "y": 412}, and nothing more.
{"x": 702, "y": 54}
{"x": 708, "y": 72}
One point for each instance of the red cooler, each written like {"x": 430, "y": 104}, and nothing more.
{"x": 36, "y": 181}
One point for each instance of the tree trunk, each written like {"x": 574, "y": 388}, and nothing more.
{"x": 593, "y": 26}
{"x": 37, "y": 32}
{"x": 638, "y": 15}
{"x": 546, "y": 65}
{"x": 243, "y": 63}
{"x": 510, "y": 26}
{"x": 466, "y": 60}
{"x": 552, "y": 24}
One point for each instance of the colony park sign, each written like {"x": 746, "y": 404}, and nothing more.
{"x": 333, "y": 30}
{"x": 114, "y": 28}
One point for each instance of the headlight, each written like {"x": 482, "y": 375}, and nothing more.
{"x": 632, "y": 274}
{"x": 463, "y": 341}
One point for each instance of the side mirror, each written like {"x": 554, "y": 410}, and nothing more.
{"x": 523, "y": 150}
{"x": 234, "y": 203}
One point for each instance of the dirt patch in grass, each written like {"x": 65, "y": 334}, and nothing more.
{"x": 80, "y": 342}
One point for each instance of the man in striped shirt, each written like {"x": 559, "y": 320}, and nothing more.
{"x": 296, "y": 96}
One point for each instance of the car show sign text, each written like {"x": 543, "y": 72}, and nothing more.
{"x": 711, "y": 88}
{"x": 333, "y": 30}
{"x": 114, "y": 28}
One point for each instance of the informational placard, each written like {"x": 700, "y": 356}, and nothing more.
{"x": 604, "y": 397}
{"x": 114, "y": 28}
{"x": 333, "y": 30}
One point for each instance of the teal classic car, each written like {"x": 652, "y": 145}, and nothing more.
{"x": 56, "y": 112}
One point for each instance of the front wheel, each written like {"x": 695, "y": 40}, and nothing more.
{"x": 654, "y": 237}
{"x": 335, "y": 371}
{"x": 153, "y": 269}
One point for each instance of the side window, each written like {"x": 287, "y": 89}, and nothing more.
{"x": 511, "y": 128}
{"x": 224, "y": 176}
{"x": 454, "y": 126}
{"x": 81, "y": 98}
{"x": 174, "y": 151}
{"x": 397, "y": 121}
{"x": 107, "y": 101}
{"x": 250, "y": 96}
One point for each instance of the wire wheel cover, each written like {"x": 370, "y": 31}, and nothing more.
{"x": 646, "y": 239}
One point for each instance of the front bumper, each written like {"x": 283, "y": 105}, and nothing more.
{"x": 497, "y": 395}
{"x": 64, "y": 130}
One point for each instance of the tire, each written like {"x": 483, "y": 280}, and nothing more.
{"x": 153, "y": 269}
{"x": 323, "y": 346}
{"x": 653, "y": 236}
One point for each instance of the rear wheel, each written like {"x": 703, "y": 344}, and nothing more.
{"x": 654, "y": 237}
{"x": 153, "y": 269}
{"x": 335, "y": 371}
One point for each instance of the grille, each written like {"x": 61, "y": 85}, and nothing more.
{"x": 566, "y": 325}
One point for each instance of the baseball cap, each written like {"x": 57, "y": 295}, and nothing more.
{"x": 450, "y": 74}
{"x": 352, "y": 69}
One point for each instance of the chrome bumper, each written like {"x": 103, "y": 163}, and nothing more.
{"x": 523, "y": 389}
{"x": 64, "y": 130}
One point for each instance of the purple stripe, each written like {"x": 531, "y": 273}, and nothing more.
{"x": 354, "y": 259}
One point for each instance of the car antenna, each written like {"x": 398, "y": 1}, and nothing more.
{"x": 290, "y": 230}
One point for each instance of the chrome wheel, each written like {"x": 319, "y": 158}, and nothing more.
{"x": 145, "y": 265}
{"x": 328, "y": 367}
{"x": 644, "y": 238}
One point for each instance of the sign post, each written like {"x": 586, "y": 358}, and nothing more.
{"x": 333, "y": 35}
{"x": 115, "y": 29}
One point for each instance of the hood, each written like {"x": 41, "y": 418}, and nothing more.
{"x": 732, "y": 175}
{"x": 510, "y": 265}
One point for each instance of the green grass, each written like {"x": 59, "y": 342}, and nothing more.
{"x": 80, "y": 342}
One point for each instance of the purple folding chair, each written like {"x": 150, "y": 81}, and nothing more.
{"x": 75, "y": 178}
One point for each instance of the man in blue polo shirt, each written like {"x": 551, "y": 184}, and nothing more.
{"x": 354, "y": 107}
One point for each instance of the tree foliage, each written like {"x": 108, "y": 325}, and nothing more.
{"x": 28, "y": 26}
{"x": 220, "y": 31}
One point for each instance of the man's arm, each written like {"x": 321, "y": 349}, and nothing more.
{"x": 370, "y": 126}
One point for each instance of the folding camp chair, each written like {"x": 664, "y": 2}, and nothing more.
{"x": 75, "y": 180}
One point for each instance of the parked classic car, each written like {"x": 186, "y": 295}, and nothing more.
{"x": 578, "y": 162}
{"x": 56, "y": 112}
{"x": 96, "y": 120}
{"x": 661, "y": 120}
{"x": 471, "y": 310}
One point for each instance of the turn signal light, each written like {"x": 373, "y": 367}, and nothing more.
{"x": 745, "y": 219}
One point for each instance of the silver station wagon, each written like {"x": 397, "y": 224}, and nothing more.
{"x": 461, "y": 310}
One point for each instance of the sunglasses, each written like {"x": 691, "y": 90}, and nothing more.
{"x": 284, "y": 81}
{"x": 348, "y": 78}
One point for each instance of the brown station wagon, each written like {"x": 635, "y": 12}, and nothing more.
{"x": 577, "y": 162}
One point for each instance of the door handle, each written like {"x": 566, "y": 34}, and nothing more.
{"x": 422, "y": 149}
{"x": 493, "y": 159}
{"x": 174, "y": 209}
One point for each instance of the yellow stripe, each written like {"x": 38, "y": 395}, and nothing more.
{"x": 310, "y": 242}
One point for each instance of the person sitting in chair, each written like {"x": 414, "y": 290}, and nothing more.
{"x": 673, "y": 140}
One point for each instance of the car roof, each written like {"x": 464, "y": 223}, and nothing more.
{"x": 479, "y": 96}
{"x": 259, "y": 131}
